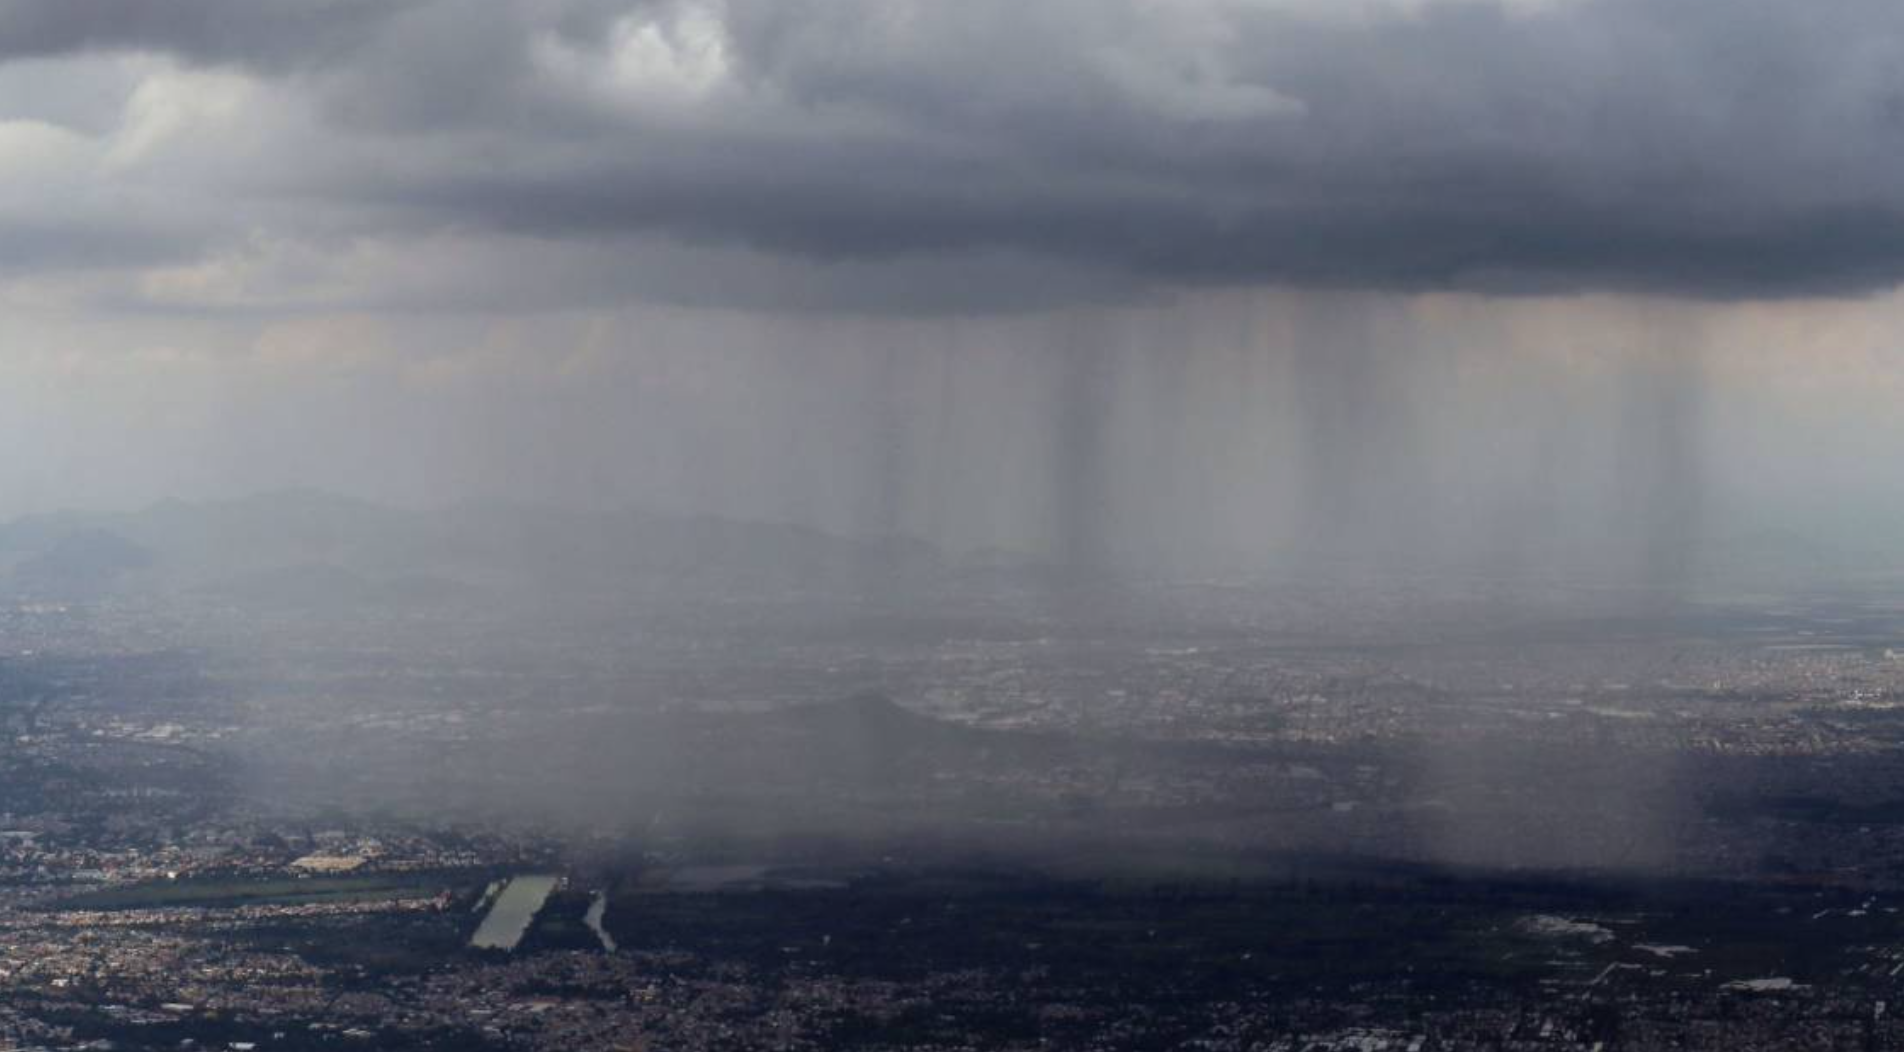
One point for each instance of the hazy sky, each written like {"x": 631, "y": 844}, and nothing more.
{"x": 1219, "y": 273}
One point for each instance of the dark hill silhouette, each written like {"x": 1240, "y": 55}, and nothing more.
{"x": 80, "y": 563}
{"x": 302, "y": 546}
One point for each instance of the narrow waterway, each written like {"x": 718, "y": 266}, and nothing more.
{"x": 597, "y": 908}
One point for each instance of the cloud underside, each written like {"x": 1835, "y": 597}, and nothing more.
{"x": 272, "y": 154}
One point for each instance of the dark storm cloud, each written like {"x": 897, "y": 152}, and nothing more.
{"x": 1705, "y": 147}
{"x": 262, "y": 33}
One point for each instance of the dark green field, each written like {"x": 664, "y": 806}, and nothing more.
{"x": 225, "y": 893}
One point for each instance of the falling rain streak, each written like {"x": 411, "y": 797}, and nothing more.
{"x": 1237, "y": 432}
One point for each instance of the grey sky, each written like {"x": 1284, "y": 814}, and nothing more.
{"x": 1215, "y": 277}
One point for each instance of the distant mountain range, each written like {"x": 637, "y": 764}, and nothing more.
{"x": 315, "y": 550}
{"x": 84, "y": 561}
{"x": 309, "y": 548}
